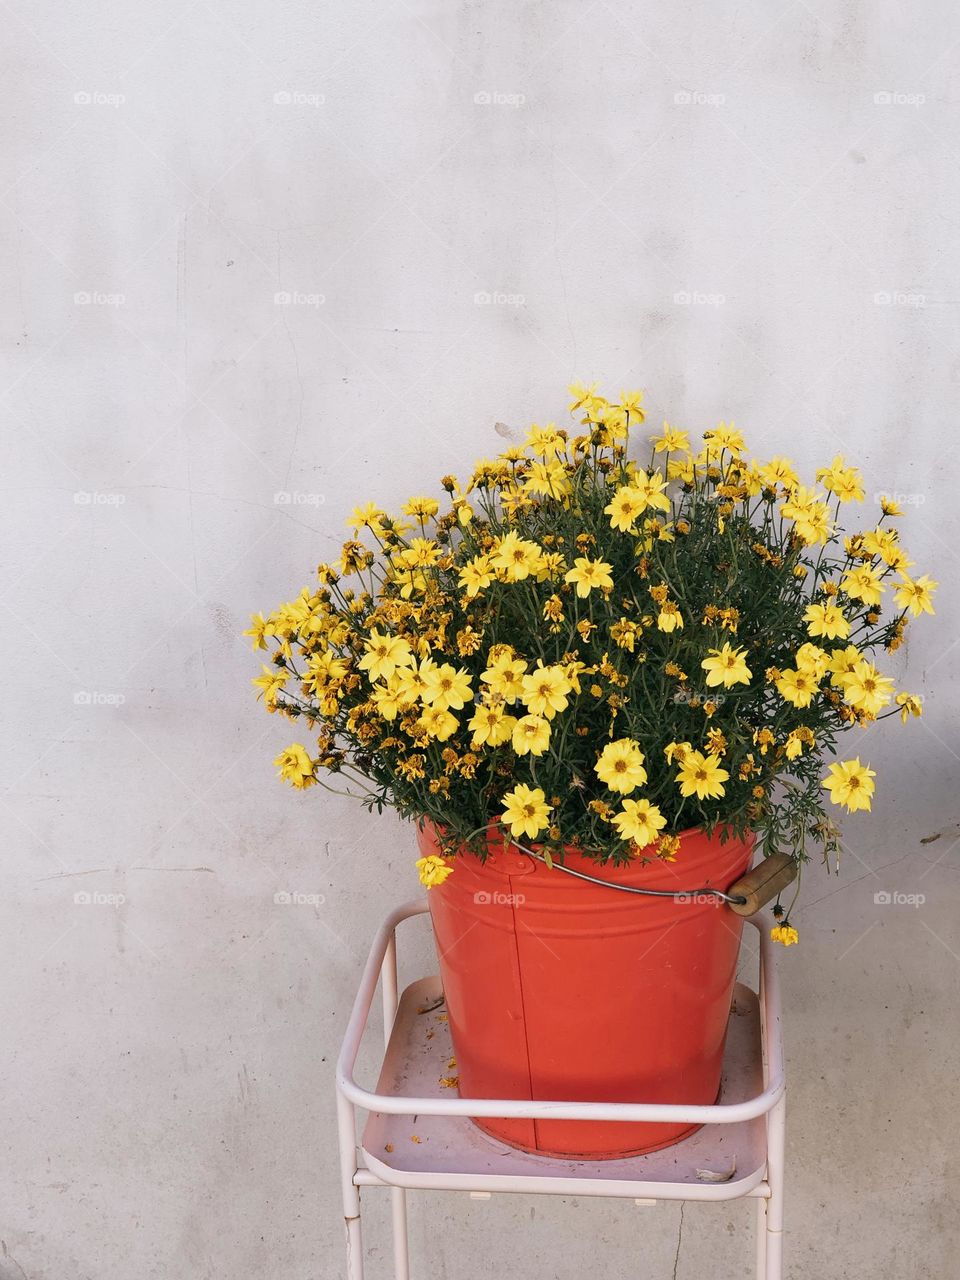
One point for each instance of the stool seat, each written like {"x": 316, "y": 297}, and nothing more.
{"x": 718, "y": 1162}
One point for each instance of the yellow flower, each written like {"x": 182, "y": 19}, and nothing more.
{"x": 794, "y": 746}
{"x": 784, "y": 933}
{"x": 388, "y": 698}
{"x": 724, "y": 437}
{"x": 581, "y": 394}
{"x": 850, "y": 784}
{"x": 438, "y": 723}
{"x": 826, "y": 620}
{"x": 620, "y": 766}
{"x": 421, "y": 508}
{"x": 863, "y": 583}
{"x": 271, "y": 681}
{"x": 670, "y": 618}
{"x": 842, "y": 480}
{"x": 671, "y": 440}
{"x": 545, "y": 691}
{"x": 675, "y": 751}
{"x": 547, "y": 478}
{"x": 421, "y": 553}
{"x": 726, "y": 666}
{"x": 588, "y": 574}
{"x": 910, "y": 705}
{"x": 545, "y": 440}
{"x": 632, "y": 403}
{"x": 866, "y": 689}
{"x": 890, "y": 507}
{"x": 412, "y": 681}
{"x": 639, "y": 821}
{"x": 813, "y": 659}
{"x": 295, "y": 766}
{"x": 505, "y": 677}
{"x": 842, "y": 661}
{"x": 625, "y": 508}
{"x": 882, "y": 543}
{"x": 531, "y": 734}
{"x": 433, "y": 870}
{"x": 525, "y": 811}
{"x": 260, "y": 628}
{"x": 476, "y": 574}
{"x": 778, "y": 471}
{"x": 810, "y": 515}
{"x": 797, "y": 687}
{"x": 446, "y": 687}
{"x": 702, "y": 776}
{"x": 651, "y": 489}
{"x": 384, "y": 654}
{"x": 916, "y": 594}
{"x": 492, "y": 726}
{"x": 369, "y": 516}
{"x": 515, "y": 557}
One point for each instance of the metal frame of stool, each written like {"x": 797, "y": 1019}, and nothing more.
{"x": 381, "y": 966}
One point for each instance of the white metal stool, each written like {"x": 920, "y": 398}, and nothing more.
{"x": 417, "y": 1137}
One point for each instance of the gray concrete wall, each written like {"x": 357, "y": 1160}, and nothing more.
{"x": 752, "y": 211}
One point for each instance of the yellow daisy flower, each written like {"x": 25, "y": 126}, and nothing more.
{"x": 545, "y": 691}
{"x": 797, "y": 687}
{"x": 295, "y": 766}
{"x": 826, "y": 620}
{"x": 383, "y": 655}
{"x": 531, "y": 734}
{"x": 525, "y": 811}
{"x": 620, "y": 766}
{"x": 589, "y": 574}
{"x": 916, "y": 595}
{"x": 850, "y": 784}
{"x": 701, "y": 776}
{"x": 433, "y": 870}
{"x": 639, "y": 821}
{"x": 727, "y": 667}
{"x": 866, "y": 689}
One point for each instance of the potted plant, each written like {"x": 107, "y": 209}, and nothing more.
{"x": 623, "y": 658}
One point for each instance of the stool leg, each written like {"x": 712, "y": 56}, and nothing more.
{"x": 347, "y": 1125}
{"x": 776, "y": 1134}
{"x": 401, "y": 1260}
{"x": 761, "y": 1238}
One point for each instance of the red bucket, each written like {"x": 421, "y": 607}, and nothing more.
{"x": 564, "y": 990}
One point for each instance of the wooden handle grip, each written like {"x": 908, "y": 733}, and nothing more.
{"x": 762, "y": 884}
